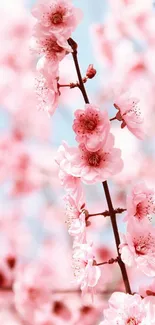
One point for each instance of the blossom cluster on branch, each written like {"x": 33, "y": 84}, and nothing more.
{"x": 94, "y": 160}
{"x": 42, "y": 269}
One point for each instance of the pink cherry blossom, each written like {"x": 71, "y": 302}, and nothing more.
{"x": 51, "y": 47}
{"x": 76, "y": 214}
{"x": 87, "y": 274}
{"x": 137, "y": 247}
{"x": 130, "y": 114}
{"x": 47, "y": 86}
{"x": 70, "y": 183}
{"x": 91, "y": 166}
{"x": 125, "y": 309}
{"x": 56, "y": 16}
{"x": 91, "y": 127}
{"x": 140, "y": 203}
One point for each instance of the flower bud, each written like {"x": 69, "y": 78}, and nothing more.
{"x": 91, "y": 72}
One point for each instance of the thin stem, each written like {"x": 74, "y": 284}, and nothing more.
{"x": 113, "y": 118}
{"x": 65, "y": 85}
{"x": 96, "y": 214}
{"x": 111, "y": 261}
{"x": 73, "y": 44}
{"x": 105, "y": 213}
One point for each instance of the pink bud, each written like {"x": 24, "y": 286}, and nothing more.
{"x": 91, "y": 72}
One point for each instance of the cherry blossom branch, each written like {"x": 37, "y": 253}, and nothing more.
{"x": 73, "y": 45}
{"x": 116, "y": 235}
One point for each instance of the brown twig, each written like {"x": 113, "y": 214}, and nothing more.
{"x": 111, "y": 261}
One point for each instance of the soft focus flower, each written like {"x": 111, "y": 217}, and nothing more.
{"x": 125, "y": 309}
{"x": 140, "y": 203}
{"x": 137, "y": 247}
{"x": 32, "y": 289}
{"x": 75, "y": 213}
{"x": 91, "y": 127}
{"x": 56, "y": 16}
{"x": 130, "y": 114}
{"x": 86, "y": 272}
{"x": 91, "y": 166}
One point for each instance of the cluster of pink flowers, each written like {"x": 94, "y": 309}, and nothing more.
{"x": 125, "y": 309}
{"x": 55, "y": 22}
{"x": 94, "y": 160}
{"x": 137, "y": 247}
{"x": 42, "y": 291}
{"x": 130, "y": 114}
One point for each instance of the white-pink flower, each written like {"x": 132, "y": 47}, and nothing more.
{"x": 91, "y": 127}
{"x": 70, "y": 183}
{"x": 125, "y": 309}
{"x": 91, "y": 166}
{"x": 140, "y": 203}
{"x": 56, "y": 16}
{"x": 130, "y": 114}
{"x": 138, "y": 246}
{"x": 76, "y": 215}
{"x": 47, "y": 86}
{"x": 86, "y": 272}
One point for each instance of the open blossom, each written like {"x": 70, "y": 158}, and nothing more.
{"x": 140, "y": 203}
{"x": 75, "y": 213}
{"x": 47, "y": 91}
{"x": 138, "y": 247}
{"x": 56, "y": 16}
{"x": 51, "y": 47}
{"x": 86, "y": 272}
{"x": 91, "y": 166}
{"x": 91, "y": 127}
{"x": 125, "y": 309}
{"x": 130, "y": 114}
{"x": 70, "y": 183}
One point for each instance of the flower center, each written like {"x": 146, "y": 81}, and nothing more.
{"x": 90, "y": 125}
{"x": 33, "y": 293}
{"x": 132, "y": 321}
{"x": 52, "y": 46}
{"x": 57, "y": 18}
{"x": 94, "y": 159}
{"x": 141, "y": 248}
{"x": 141, "y": 211}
